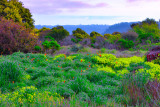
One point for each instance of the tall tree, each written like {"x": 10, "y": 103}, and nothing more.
{"x": 13, "y": 9}
{"x": 58, "y": 33}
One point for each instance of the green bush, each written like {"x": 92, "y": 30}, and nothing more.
{"x": 78, "y": 85}
{"x": 148, "y": 42}
{"x": 94, "y": 34}
{"x": 95, "y": 76}
{"x": 10, "y": 71}
{"x": 76, "y": 48}
{"x": 113, "y": 51}
{"x": 83, "y": 96}
{"x": 103, "y": 50}
{"x": 40, "y": 73}
{"x": 58, "y": 33}
{"x": 93, "y": 40}
{"x": 147, "y": 31}
{"x": 92, "y": 45}
{"x": 44, "y": 81}
{"x": 75, "y": 40}
{"x": 126, "y": 44}
{"x": 112, "y": 38}
{"x": 65, "y": 91}
{"x": 131, "y": 49}
{"x": 109, "y": 81}
{"x": 80, "y": 34}
{"x": 85, "y": 50}
{"x": 50, "y": 45}
{"x": 37, "y": 48}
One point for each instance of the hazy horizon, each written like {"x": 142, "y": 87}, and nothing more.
{"x": 86, "y": 24}
{"x": 87, "y": 12}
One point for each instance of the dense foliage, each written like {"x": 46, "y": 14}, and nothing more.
{"x": 80, "y": 34}
{"x": 15, "y": 37}
{"x": 94, "y": 34}
{"x": 112, "y": 38}
{"x": 13, "y": 9}
{"x": 51, "y": 44}
{"x": 130, "y": 36}
{"x": 126, "y": 43}
{"x": 147, "y": 30}
{"x": 90, "y": 79}
{"x": 58, "y": 33}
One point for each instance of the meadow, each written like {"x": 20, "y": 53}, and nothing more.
{"x": 48, "y": 67}
{"x": 78, "y": 80}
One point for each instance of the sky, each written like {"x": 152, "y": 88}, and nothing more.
{"x": 75, "y": 12}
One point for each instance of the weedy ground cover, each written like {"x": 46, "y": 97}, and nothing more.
{"x": 77, "y": 80}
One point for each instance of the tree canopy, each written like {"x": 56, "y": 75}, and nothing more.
{"x": 13, "y": 9}
{"x": 58, "y": 33}
{"x": 80, "y": 34}
{"x": 147, "y": 31}
{"x": 94, "y": 34}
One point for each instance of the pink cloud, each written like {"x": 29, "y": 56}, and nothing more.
{"x": 56, "y": 6}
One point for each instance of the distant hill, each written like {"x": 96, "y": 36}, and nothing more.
{"x": 102, "y": 29}
{"x": 87, "y": 28}
{"x": 120, "y": 27}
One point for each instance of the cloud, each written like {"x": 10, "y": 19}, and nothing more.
{"x": 142, "y": 0}
{"x": 58, "y": 6}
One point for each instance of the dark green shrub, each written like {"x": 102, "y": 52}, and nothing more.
{"x": 92, "y": 45}
{"x": 57, "y": 74}
{"x": 10, "y": 71}
{"x": 73, "y": 40}
{"x": 147, "y": 31}
{"x": 99, "y": 99}
{"x": 44, "y": 81}
{"x": 40, "y": 73}
{"x": 148, "y": 42}
{"x": 16, "y": 11}
{"x": 93, "y": 40}
{"x": 112, "y": 38}
{"x": 126, "y": 44}
{"x": 95, "y": 76}
{"x": 50, "y": 45}
{"x": 109, "y": 81}
{"x": 80, "y": 34}
{"x": 65, "y": 92}
{"x": 78, "y": 85}
{"x": 37, "y": 48}
{"x": 103, "y": 50}
{"x": 74, "y": 49}
{"x": 58, "y": 33}
{"x": 83, "y": 96}
{"x": 94, "y": 34}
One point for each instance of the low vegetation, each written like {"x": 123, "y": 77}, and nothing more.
{"x": 78, "y": 79}
{"x": 49, "y": 67}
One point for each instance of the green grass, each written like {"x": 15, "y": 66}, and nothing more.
{"x": 87, "y": 80}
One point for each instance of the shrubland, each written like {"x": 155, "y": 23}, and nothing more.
{"x": 89, "y": 73}
{"x": 85, "y": 79}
